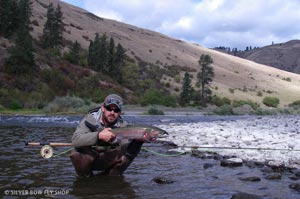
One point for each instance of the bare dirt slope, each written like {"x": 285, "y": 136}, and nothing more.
{"x": 236, "y": 78}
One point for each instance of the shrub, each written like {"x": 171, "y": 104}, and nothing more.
{"x": 288, "y": 79}
{"x": 177, "y": 78}
{"x": 224, "y": 110}
{"x": 271, "y": 101}
{"x": 153, "y": 96}
{"x": 15, "y": 105}
{"x": 295, "y": 103}
{"x": 155, "y": 111}
{"x": 239, "y": 103}
{"x": 231, "y": 90}
{"x": 259, "y": 94}
{"x": 68, "y": 104}
{"x": 220, "y": 101}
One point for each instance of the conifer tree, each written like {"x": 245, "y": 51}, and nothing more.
{"x": 187, "y": 90}
{"x": 119, "y": 62}
{"x": 59, "y": 26}
{"x": 94, "y": 53}
{"x": 120, "y": 55}
{"x": 74, "y": 54}
{"x": 111, "y": 67}
{"x": 90, "y": 58}
{"x": 8, "y": 17}
{"x": 48, "y": 30}
{"x": 53, "y": 28}
{"x": 21, "y": 59}
{"x": 205, "y": 76}
{"x": 103, "y": 54}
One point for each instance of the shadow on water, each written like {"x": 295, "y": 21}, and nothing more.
{"x": 103, "y": 187}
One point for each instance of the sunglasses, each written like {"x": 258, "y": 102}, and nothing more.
{"x": 116, "y": 110}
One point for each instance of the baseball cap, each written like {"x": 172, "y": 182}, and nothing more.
{"x": 113, "y": 99}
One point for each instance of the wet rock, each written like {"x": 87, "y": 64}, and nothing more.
{"x": 266, "y": 169}
{"x": 279, "y": 168}
{"x": 294, "y": 177}
{"x": 232, "y": 162}
{"x": 253, "y": 164}
{"x": 206, "y": 155}
{"x": 162, "y": 180}
{"x": 297, "y": 173}
{"x": 250, "y": 179}
{"x": 245, "y": 196}
{"x": 273, "y": 176}
{"x": 295, "y": 186}
{"x": 207, "y": 165}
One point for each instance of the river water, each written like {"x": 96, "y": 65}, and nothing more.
{"x": 25, "y": 174}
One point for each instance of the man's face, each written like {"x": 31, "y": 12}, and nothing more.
{"x": 110, "y": 113}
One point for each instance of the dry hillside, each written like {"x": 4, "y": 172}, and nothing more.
{"x": 284, "y": 56}
{"x": 236, "y": 78}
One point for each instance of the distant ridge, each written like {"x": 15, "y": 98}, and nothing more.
{"x": 284, "y": 56}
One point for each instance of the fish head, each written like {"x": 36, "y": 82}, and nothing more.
{"x": 153, "y": 133}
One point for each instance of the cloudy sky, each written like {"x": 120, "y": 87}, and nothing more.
{"x": 210, "y": 23}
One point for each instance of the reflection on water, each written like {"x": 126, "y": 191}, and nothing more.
{"x": 103, "y": 187}
{"x": 22, "y": 168}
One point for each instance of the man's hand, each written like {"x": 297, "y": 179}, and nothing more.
{"x": 106, "y": 135}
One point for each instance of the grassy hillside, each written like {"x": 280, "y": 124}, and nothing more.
{"x": 153, "y": 70}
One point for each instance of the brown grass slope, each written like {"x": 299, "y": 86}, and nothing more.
{"x": 284, "y": 56}
{"x": 236, "y": 78}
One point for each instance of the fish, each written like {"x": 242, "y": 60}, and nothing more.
{"x": 142, "y": 132}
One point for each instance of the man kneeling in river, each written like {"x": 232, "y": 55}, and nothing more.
{"x": 93, "y": 141}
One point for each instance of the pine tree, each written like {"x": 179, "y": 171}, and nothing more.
{"x": 119, "y": 62}
{"x": 94, "y": 53}
{"x": 103, "y": 54}
{"x": 48, "y": 30}
{"x": 205, "y": 76}
{"x": 59, "y": 26}
{"x": 74, "y": 54}
{"x": 111, "y": 67}
{"x": 53, "y": 28}
{"x": 21, "y": 59}
{"x": 90, "y": 58}
{"x": 120, "y": 55}
{"x": 8, "y": 17}
{"x": 187, "y": 90}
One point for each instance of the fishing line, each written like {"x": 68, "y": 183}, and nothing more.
{"x": 62, "y": 153}
{"x": 163, "y": 154}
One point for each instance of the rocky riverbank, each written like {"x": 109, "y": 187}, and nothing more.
{"x": 270, "y": 144}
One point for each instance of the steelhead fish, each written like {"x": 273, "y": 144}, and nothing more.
{"x": 145, "y": 132}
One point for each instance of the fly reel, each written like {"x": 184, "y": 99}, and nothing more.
{"x": 46, "y": 151}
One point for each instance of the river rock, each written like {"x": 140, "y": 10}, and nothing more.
{"x": 207, "y": 165}
{"x": 273, "y": 176}
{"x": 250, "y": 179}
{"x": 232, "y": 162}
{"x": 295, "y": 186}
{"x": 241, "y": 195}
{"x": 162, "y": 180}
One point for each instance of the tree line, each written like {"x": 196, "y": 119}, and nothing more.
{"x": 103, "y": 55}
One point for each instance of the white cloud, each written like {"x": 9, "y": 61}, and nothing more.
{"x": 208, "y": 22}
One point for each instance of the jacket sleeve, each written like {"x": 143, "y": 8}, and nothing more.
{"x": 83, "y": 136}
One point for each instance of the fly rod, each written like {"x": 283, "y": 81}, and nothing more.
{"x": 60, "y": 144}
{"x": 47, "y": 143}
